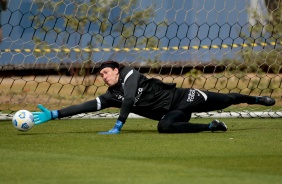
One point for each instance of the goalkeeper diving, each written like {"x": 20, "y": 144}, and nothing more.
{"x": 172, "y": 107}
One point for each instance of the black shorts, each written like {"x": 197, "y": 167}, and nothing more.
{"x": 188, "y": 99}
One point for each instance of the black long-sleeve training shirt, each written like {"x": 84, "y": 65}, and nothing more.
{"x": 136, "y": 93}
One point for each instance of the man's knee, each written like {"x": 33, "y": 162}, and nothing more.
{"x": 165, "y": 126}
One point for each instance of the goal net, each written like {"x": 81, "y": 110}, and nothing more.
{"x": 50, "y": 50}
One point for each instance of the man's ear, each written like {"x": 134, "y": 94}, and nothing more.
{"x": 116, "y": 70}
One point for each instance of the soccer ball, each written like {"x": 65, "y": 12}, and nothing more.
{"x": 23, "y": 120}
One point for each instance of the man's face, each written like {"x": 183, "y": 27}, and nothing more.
{"x": 110, "y": 76}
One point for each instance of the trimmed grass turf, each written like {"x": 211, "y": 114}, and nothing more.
{"x": 71, "y": 151}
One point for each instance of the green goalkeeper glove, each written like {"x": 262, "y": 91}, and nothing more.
{"x": 45, "y": 115}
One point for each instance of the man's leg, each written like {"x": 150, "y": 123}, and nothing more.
{"x": 177, "y": 122}
{"x": 218, "y": 101}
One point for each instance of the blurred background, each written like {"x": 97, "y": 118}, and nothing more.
{"x": 50, "y": 50}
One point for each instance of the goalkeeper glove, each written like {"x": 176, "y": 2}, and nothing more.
{"x": 45, "y": 115}
{"x": 115, "y": 130}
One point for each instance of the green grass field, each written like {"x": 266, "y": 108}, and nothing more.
{"x": 72, "y": 151}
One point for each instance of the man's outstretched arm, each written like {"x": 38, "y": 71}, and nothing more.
{"x": 45, "y": 115}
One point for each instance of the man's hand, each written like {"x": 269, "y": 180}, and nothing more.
{"x": 44, "y": 116}
{"x": 115, "y": 130}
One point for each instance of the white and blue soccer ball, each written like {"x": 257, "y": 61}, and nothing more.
{"x": 23, "y": 120}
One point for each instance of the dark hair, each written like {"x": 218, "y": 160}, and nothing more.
{"x": 111, "y": 64}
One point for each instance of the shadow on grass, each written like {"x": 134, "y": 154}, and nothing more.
{"x": 87, "y": 132}
{"x": 149, "y": 131}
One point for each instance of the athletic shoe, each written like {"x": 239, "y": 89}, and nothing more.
{"x": 265, "y": 100}
{"x": 216, "y": 125}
